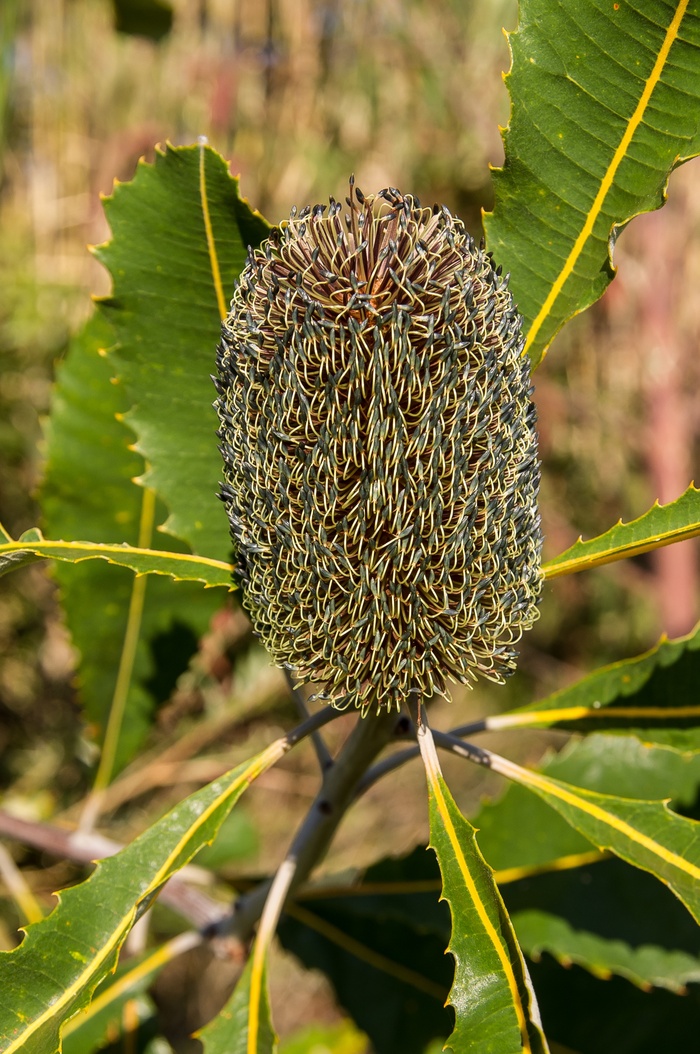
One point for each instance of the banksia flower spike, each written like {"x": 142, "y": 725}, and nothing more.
{"x": 380, "y": 454}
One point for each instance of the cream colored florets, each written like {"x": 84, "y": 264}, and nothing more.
{"x": 380, "y": 454}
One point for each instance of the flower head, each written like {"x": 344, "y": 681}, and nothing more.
{"x": 380, "y": 454}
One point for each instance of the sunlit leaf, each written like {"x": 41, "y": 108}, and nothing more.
{"x": 653, "y": 696}
{"x": 661, "y": 525}
{"x": 181, "y": 566}
{"x": 55, "y": 970}
{"x": 644, "y": 833}
{"x": 491, "y": 994}
{"x": 180, "y": 232}
{"x": 605, "y": 99}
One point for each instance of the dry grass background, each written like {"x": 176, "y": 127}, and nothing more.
{"x": 298, "y": 94}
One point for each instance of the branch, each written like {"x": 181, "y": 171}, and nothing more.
{"x": 369, "y": 736}
{"x": 323, "y": 754}
{"x": 86, "y": 847}
{"x": 395, "y": 761}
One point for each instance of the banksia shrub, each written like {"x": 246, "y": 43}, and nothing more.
{"x": 380, "y": 454}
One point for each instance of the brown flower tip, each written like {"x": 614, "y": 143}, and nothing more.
{"x": 380, "y": 454}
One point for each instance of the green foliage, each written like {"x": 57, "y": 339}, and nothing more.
{"x": 491, "y": 992}
{"x": 647, "y": 966}
{"x": 54, "y": 972}
{"x": 229, "y": 1032}
{"x": 652, "y": 697}
{"x": 183, "y": 567}
{"x": 387, "y": 966}
{"x": 180, "y": 233}
{"x": 603, "y": 107}
{"x": 661, "y": 525}
{"x": 604, "y": 104}
{"x": 89, "y": 493}
{"x": 645, "y": 833}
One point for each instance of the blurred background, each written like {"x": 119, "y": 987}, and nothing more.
{"x": 298, "y": 94}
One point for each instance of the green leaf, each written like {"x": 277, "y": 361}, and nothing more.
{"x": 228, "y": 1033}
{"x": 98, "y": 1031}
{"x": 491, "y": 994}
{"x": 623, "y": 766}
{"x": 384, "y": 954}
{"x": 55, "y": 970}
{"x": 97, "y": 1024}
{"x": 184, "y": 567}
{"x": 519, "y": 834}
{"x": 646, "y": 966}
{"x": 653, "y": 697}
{"x": 661, "y": 525}
{"x": 610, "y": 900}
{"x": 605, "y": 102}
{"x": 591, "y": 1016}
{"x": 646, "y": 834}
{"x": 621, "y": 920}
{"x": 180, "y": 233}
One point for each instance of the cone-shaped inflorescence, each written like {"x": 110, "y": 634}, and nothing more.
{"x": 380, "y": 454}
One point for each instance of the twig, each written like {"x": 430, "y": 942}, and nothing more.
{"x": 325, "y": 759}
{"x": 144, "y": 773}
{"x": 395, "y": 761}
{"x": 86, "y": 847}
{"x": 463, "y": 749}
{"x": 314, "y": 835}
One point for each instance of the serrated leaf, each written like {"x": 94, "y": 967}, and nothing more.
{"x": 229, "y": 1032}
{"x": 55, "y": 970}
{"x": 97, "y": 1024}
{"x": 183, "y": 567}
{"x": 491, "y": 994}
{"x": 661, "y": 525}
{"x": 180, "y": 232}
{"x": 519, "y": 833}
{"x": 590, "y": 1016}
{"x": 605, "y": 102}
{"x": 646, "y": 966}
{"x": 646, "y": 834}
{"x": 653, "y": 697}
